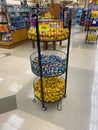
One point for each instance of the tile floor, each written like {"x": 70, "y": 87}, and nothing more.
{"x": 8, "y": 67}
{"x": 80, "y": 107}
{"x": 18, "y": 120}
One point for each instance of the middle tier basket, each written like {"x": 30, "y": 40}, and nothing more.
{"x": 53, "y": 63}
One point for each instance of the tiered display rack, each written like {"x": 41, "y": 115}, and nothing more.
{"x": 49, "y": 65}
{"x": 91, "y": 36}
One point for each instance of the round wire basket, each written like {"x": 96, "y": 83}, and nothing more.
{"x": 53, "y": 88}
{"x": 53, "y": 63}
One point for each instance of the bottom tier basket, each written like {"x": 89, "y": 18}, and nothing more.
{"x": 53, "y": 88}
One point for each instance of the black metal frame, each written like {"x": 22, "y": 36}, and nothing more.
{"x": 59, "y": 103}
{"x": 39, "y": 55}
{"x": 68, "y": 49}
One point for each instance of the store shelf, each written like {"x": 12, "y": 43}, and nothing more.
{"x": 4, "y": 25}
{"x": 17, "y": 15}
{"x": 16, "y": 38}
{"x": 18, "y": 25}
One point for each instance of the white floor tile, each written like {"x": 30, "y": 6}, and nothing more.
{"x": 15, "y": 72}
{"x": 18, "y": 120}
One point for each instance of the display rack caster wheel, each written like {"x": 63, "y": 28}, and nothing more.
{"x": 65, "y": 95}
{"x": 34, "y": 100}
{"x": 44, "y": 108}
{"x": 59, "y": 105}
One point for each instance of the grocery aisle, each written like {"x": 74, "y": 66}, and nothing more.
{"x": 80, "y": 107}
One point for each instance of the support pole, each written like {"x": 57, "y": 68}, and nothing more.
{"x": 68, "y": 49}
{"x": 40, "y": 64}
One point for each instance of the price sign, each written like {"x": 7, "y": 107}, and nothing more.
{"x": 44, "y": 27}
